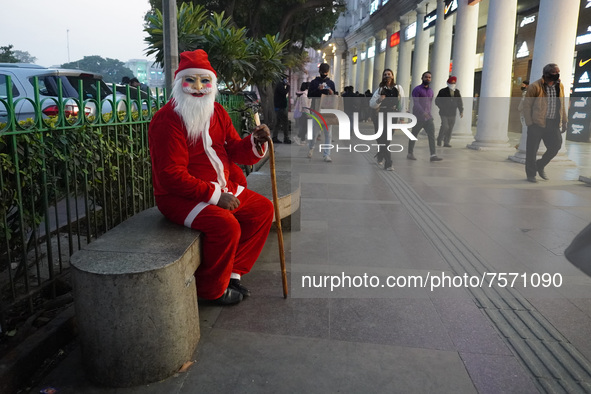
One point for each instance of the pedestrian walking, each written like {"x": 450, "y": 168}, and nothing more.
{"x": 422, "y": 98}
{"x": 449, "y": 102}
{"x": 321, "y": 85}
{"x": 386, "y": 98}
{"x": 545, "y": 116}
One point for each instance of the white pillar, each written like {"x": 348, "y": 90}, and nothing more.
{"x": 493, "y": 112}
{"x": 404, "y": 58}
{"x": 360, "y": 72}
{"x": 378, "y": 64}
{"x": 336, "y": 70}
{"x": 421, "y": 55}
{"x": 391, "y": 57}
{"x": 368, "y": 78}
{"x": 353, "y": 73}
{"x": 554, "y": 45}
{"x": 464, "y": 63}
{"x": 441, "y": 49}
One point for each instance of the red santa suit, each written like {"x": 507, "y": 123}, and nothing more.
{"x": 189, "y": 178}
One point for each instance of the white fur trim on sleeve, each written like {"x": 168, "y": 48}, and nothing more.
{"x": 254, "y": 148}
{"x": 215, "y": 197}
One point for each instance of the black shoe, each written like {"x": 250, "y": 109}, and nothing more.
{"x": 435, "y": 158}
{"x": 542, "y": 174}
{"x": 410, "y": 156}
{"x": 230, "y": 297}
{"x": 447, "y": 145}
{"x": 532, "y": 179}
{"x": 235, "y": 285}
{"x": 287, "y": 141}
{"x": 438, "y": 143}
{"x": 276, "y": 140}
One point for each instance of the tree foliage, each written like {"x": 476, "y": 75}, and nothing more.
{"x": 299, "y": 21}
{"x": 24, "y": 57}
{"x": 7, "y": 55}
{"x": 112, "y": 70}
{"x": 238, "y": 59}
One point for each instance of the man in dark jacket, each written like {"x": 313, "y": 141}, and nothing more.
{"x": 281, "y": 121}
{"x": 449, "y": 101}
{"x": 544, "y": 110}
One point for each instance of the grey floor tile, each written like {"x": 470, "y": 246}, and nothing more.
{"x": 498, "y": 374}
{"x": 239, "y": 362}
{"x": 470, "y": 330}
{"x": 402, "y": 322}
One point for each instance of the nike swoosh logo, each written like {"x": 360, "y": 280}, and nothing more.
{"x": 582, "y": 63}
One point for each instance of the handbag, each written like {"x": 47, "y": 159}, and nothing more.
{"x": 579, "y": 251}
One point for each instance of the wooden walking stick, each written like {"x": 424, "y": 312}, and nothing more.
{"x": 276, "y": 206}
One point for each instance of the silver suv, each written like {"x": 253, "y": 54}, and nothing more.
{"x": 23, "y": 92}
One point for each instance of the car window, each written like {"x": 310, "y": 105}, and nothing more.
{"x": 4, "y": 87}
{"x": 48, "y": 86}
{"x": 89, "y": 88}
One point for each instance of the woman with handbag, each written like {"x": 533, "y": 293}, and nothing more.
{"x": 386, "y": 98}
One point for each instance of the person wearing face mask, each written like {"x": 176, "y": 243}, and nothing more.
{"x": 422, "y": 98}
{"x": 319, "y": 86}
{"x": 386, "y": 98}
{"x": 449, "y": 101}
{"x": 193, "y": 147}
{"x": 545, "y": 116}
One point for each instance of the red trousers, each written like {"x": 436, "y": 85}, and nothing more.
{"x": 232, "y": 241}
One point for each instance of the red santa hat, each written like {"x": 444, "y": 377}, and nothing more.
{"x": 194, "y": 63}
{"x": 452, "y": 79}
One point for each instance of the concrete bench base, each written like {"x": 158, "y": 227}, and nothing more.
{"x": 136, "y": 300}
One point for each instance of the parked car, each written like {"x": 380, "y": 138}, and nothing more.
{"x": 22, "y": 77}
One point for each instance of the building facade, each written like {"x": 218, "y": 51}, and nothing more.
{"x": 147, "y": 72}
{"x": 491, "y": 46}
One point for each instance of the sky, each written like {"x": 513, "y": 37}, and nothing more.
{"x": 107, "y": 28}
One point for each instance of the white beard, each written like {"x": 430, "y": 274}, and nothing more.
{"x": 195, "y": 112}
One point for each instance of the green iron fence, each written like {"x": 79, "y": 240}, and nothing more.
{"x": 65, "y": 180}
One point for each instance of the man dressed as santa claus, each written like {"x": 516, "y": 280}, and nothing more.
{"x": 196, "y": 183}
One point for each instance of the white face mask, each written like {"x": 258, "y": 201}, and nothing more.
{"x": 451, "y": 86}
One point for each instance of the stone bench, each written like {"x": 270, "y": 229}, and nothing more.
{"x": 135, "y": 295}
{"x": 136, "y": 300}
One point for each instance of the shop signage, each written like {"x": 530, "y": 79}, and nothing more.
{"x": 449, "y": 8}
{"x": 395, "y": 39}
{"x": 363, "y": 55}
{"x": 527, "y": 20}
{"x": 579, "y": 114}
{"x": 383, "y": 44}
{"x": 523, "y": 50}
{"x": 354, "y": 59}
{"x": 373, "y": 6}
{"x": 410, "y": 32}
{"x": 371, "y": 52}
{"x": 584, "y": 38}
{"x": 430, "y": 19}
